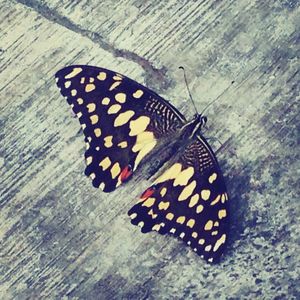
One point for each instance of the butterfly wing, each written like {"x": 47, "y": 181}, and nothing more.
{"x": 121, "y": 121}
{"x": 188, "y": 200}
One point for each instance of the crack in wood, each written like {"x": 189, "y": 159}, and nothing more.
{"x": 154, "y": 77}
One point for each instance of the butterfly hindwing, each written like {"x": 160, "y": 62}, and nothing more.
{"x": 121, "y": 120}
{"x": 188, "y": 200}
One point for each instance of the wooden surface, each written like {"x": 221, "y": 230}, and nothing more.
{"x": 63, "y": 239}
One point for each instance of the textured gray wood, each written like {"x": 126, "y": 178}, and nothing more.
{"x": 63, "y": 239}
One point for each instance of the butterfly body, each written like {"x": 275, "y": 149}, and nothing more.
{"x": 192, "y": 128}
{"x": 125, "y": 124}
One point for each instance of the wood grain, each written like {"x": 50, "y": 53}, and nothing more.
{"x": 63, "y": 239}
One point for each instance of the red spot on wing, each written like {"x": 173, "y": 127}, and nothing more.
{"x": 148, "y": 193}
{"x": 126, "y": 173}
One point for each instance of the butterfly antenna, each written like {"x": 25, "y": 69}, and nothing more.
{"x": 213, "y": 101}
{"x": 188, "y": 89}
{"x": 209, "y": 104}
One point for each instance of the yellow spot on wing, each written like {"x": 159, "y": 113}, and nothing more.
{"x": 102, "y": 186}
{"x": 115, "y": 170}
{"x": 180, "y": 220}
{"x": 105, "y": 163}
{"x": 216, "y": 200}
{"x": 114, "y": 109}
{"x": 139, "y": 125}
{"x": 170, "y": 216}
{"x": 89, "y": 87}
{"x": 212, "y": 178}
{"x": 94, "y": 119}
{"x": 91, "y": 107}
{"x": 163, "y": 191}
{"x": 79, "y": 101}
{"x": 73, "y": 92}
{"x": 144, "y": 136}
{"x": 141, "y": 224}
{"x": 117, "y": 77}
{"x": 199, "y": 209}
{"x": 119, "y": 182}
{"x": 74, "y": 72}
{"x": 223, "y": 198}
{"x": 108, "y": 141}
{"x": 205, "y": 194}
{"x": 219, "y": 242}
{"x": 222, "y": 214}
{"x": 201, "y": 241}
{"x": 184, "y": 177}
{"x": 105, "y": 101}
{"x": 142, "y": 139}
{"x": 187, "y": 191}
{"x": 152, "y": 214}
{"x": 194, "y": 200}
{"x": 89, "y": 160}
{"x": 156, "y": 227}
{"x": 67, "y": 84}
{"x": 114, "y": 85}
{"x": 195, "y": 234}
{"x": 123, "y": 118}
{"x": 120, "y": 97}
{"x": 171, "y": 173}
{"x": 214, "y": 232}
{"x": 92, "y": 176}
{"x": 143, "y": 152}
{"x": 190, "y": 223}
{"x": 149, "y": 202}
{"x": 208, "y": 248}
{"x": 163, "y": 205}
{"x": 133, "y": 216}
{"x": 97, "y": 132}
{"x": 123, "y": 144}
{"x": 208, "y": 225}
{"x": 102, "y": 76}
{"x": 138, "y": 94}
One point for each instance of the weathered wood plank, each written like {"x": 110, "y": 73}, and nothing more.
{"x": 61, "y": 238}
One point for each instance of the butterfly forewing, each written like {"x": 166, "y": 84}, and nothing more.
{"x": 188, "y": 200}
{"x": 121, "y": 121}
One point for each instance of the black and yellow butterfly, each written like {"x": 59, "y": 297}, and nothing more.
{"x": 123, "y": 123}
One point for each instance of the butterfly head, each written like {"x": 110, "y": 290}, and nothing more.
{"x": 199, "y": 122}
{"x": 194, "y": 127}
{"x": 202, "y": 120}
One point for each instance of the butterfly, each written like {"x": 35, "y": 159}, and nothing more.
{"x": 126, "y": 124}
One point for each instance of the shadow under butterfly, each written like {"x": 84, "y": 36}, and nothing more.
{"x": 124, "y": 124}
